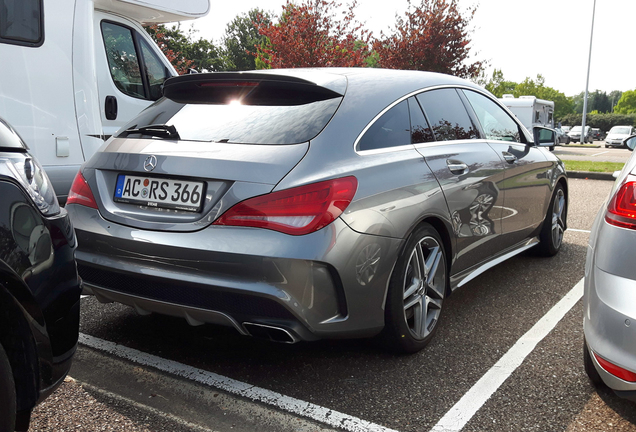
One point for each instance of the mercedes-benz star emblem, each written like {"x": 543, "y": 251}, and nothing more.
{"x": 150, "y": 163}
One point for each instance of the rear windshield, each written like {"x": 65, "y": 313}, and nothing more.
{"x": 235, "y": 123}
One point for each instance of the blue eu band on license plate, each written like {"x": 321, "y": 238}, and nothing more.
{"x": 159, "y": 192}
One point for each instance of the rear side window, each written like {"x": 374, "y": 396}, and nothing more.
{"x": 21, "y": 22}
{"x": 447, "y": 115}
{"x": 393, "y": 129}
{"x": 420, "y": 130}
{"x": 128, "y": 55}
{"x": 495, "y": 122}
{"x": 239, "y": 124}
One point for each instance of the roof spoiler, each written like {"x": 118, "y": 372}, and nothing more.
{"x": 245, "y": 88}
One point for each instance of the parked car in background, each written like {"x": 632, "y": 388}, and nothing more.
{"x": 295, "y": 204}
{"x": 597, "y": 134}
{"x": 617, "y": 135}
{"x": 565, "y": 129}
{"x": 609, "y": 302}
{"x": 562, "y": 136}
{"x": 39, "y": 286}
{"x": 575, "y": 134}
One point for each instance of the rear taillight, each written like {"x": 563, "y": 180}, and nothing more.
{"x": 621, "y": 210}
{"x": 615, "y": 370}
{"x": 297, "y": 211}
{"x": 81, "y": 193}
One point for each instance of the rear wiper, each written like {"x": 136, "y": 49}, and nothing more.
{"x": 158, "y": 130}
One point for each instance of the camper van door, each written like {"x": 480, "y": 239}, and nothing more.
{"x": 130, "y": 70}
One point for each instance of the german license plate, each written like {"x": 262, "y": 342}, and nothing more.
{"x": 159, "y": 192}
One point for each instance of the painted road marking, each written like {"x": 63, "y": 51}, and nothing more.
{"x": 460, "y": 414}
{"x": 578, "y": 230}
{"x": 598, "y": 154}
{"x": 292, "y": 405}
{"x": 454, "y": 420}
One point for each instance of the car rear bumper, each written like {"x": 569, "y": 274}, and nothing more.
{"x": 610, "y": 324}
{"x": 308, "y": 286}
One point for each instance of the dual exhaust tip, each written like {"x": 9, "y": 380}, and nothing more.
{"x": 271, "y": 333}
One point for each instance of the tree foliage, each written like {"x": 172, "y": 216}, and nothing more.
{"x": 314, "y": 33}
{"x": 627, "y": 103}
{"x": 529, "y": 87}
{"x": 241, "y": 39}
{"x": 596, "y": 101}
{"x": 434, "y": 36}
{"x": 184, "y": 51}
{"x": 603, "y": 121}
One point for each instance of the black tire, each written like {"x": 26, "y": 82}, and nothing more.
{"x": 590, "y": 370}
{"x": 416, "y": 292}
{"x": 551, "y": 236}
{"x": 7, "y": 394}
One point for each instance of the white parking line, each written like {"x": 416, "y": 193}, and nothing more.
{"x": 579, "y": 230}
{"x": 460, "y": 414}
{"x": 454, "y": 420}
{"x": 295, "y": 406}
{"x": 598, "y": 154}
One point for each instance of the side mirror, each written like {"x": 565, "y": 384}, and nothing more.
{"x": 630, "y": 142}
{"x": 544, "y": 137}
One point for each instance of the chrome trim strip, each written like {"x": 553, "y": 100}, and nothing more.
{"x": 499, "y": 260}
{"x": 416, "y": 92}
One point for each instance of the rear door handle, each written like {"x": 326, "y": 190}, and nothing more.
{"x": 456, "y": 167}
{"x": 509, "y": 157}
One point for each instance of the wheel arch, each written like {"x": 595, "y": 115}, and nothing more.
{"x": 445, "y": 233}
{"x": 19, "y": 344}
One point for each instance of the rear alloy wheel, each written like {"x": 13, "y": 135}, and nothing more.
{"x": 416, "y": 292}
{"x": 7, "y": 394}
{"x": 551, "y": 236}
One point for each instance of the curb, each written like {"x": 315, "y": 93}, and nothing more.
{"x": 590, "y": 175}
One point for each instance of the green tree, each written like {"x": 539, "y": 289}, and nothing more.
{"x": 627, "y": 103}
{"x": 498, "y": 85}
{"x": 184, "y": 51}
{"x": 529, "y": 87}
{"x": 241, "y": 39}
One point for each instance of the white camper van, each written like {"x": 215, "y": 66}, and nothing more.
{"x": 74, "y": 71}
{"x": 530, "y": 110}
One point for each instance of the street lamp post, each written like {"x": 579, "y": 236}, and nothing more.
{"x": 587, "y": 81}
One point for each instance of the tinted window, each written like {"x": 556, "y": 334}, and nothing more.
{"x": 391, "y": 130}
{"x": 495, "y": 122}
{"x": 21, "y": 22}
{"x": 420, "y": 130}
{"x": 447, "y": 115}
{"x": 127, "y": 59}
{"x": 122, "y": 59}
{"x": 241, "y": 124}
{"x": 156, "y": 72}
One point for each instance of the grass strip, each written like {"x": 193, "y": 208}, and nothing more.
{"x": 592, "y": 166}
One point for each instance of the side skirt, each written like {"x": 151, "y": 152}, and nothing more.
{"x": 466, "y": 276}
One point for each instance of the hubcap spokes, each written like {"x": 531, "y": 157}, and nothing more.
{"x": 424, "y": 285}
{"x": 558, "y": 225}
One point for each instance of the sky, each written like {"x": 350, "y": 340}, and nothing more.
{"x": 522, "y": 38}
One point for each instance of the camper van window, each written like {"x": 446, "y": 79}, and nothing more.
{"x": 156, "y": 72}
{"x": 495, "y": 122}
{"x": 21, "y": 22}
{"x": 123, "y": 61}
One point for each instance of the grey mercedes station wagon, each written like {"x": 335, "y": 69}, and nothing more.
{"x": 300, "y": 204}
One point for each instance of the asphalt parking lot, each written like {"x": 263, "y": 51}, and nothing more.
{"x": 202, "y": 378}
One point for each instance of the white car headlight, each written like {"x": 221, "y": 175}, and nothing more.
{"x": 28, "y": 172}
